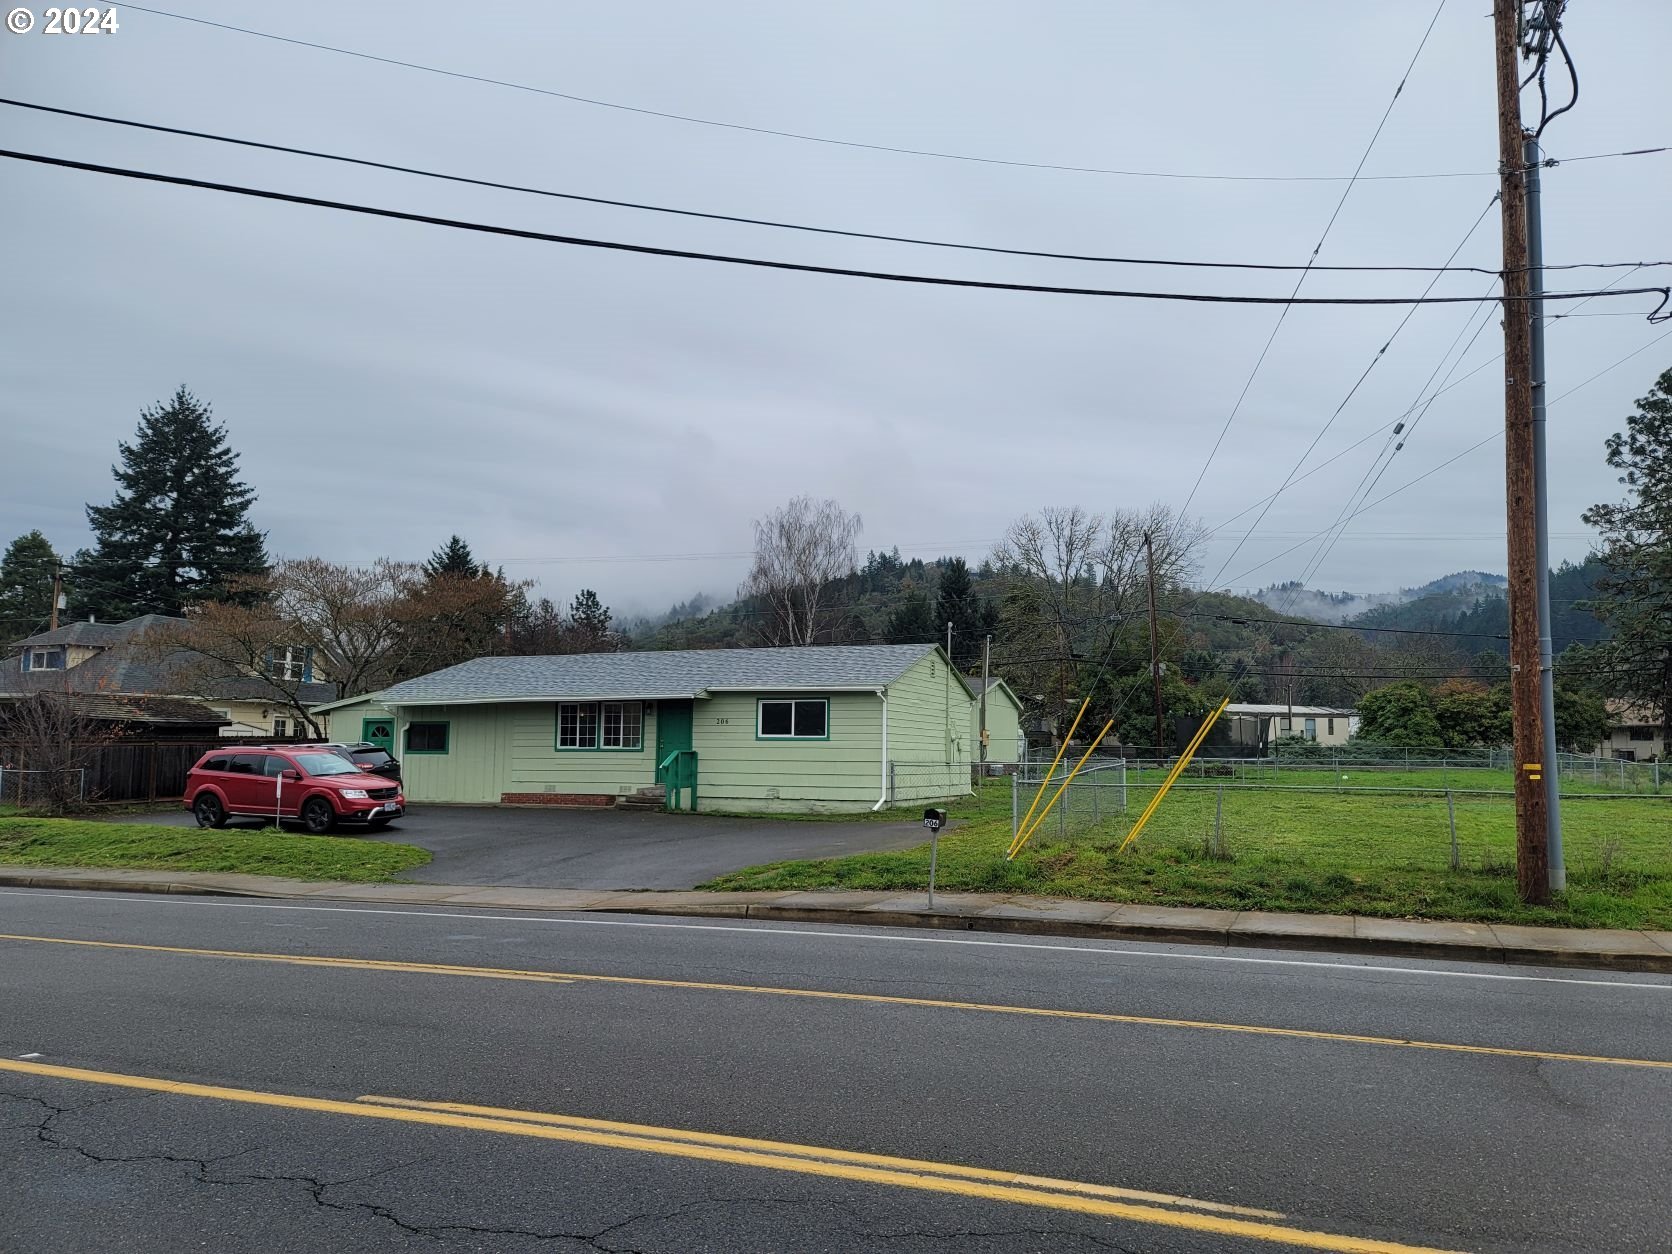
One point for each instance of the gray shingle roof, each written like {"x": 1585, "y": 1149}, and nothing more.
{"x": 101, "y": 635}
{"x": 132, "y": 671}
{"x": 666, "y": 673}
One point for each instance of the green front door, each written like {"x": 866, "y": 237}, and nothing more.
{"x": 673, "y": 730}
{"x": 379, "y": 732}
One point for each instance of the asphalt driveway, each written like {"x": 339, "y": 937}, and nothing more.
{"x": 549, "y": 848}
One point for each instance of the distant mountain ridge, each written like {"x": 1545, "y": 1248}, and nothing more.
{"x": 1465, "y": 587}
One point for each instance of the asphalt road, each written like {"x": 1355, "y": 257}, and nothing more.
{"x": 574, "y": 1074}
{"x": 536, "y": 848}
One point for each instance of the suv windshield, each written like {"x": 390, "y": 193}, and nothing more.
{"x": 325, "y": 764}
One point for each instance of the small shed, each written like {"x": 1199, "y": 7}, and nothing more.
{"x": 1006, "y": 741}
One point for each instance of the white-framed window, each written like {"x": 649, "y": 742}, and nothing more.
{"x": 289, "y": 663}
{"x": 1285, "y": 724}
{"x": 1311, "y": 729}
{"x": 793, "y": 719}
{"x": 621, "y": 725}
{"x": 46, "y": 659}
{"x": 281, "y": 728}
{"x": 612, "y": 725}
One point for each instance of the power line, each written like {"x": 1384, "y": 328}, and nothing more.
{"x": 1665, "y": 293}
{"x": 1351, "y": 392}
{"x": 804, "y": 137}
{"x": 777, "y": 225}
{"x": 1283, "y": 315}
{"x": 1396, "y": 439}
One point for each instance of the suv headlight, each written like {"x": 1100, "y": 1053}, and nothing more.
{"x": 354, "y": 794}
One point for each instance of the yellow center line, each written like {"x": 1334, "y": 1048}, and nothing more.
{"x": 833, "y": 1155}
{"x": 925, "y": 1176}
{"x": 882, "y": 999}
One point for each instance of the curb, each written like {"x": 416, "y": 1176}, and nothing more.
{"x": 1160, "y": 931}
{"x": 1503, "y": 955}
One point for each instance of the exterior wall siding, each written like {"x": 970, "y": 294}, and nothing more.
{"x": 1004, "y": 729}
{"x": 538, "y": 766}
{"x": 736, "y": 770}
{"x": 477, "y": 764}
{"x": 345, "y": 723}
{"x": 929, "y": 726}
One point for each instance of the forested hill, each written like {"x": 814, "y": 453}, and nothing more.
{"x": 1452, "y": 604}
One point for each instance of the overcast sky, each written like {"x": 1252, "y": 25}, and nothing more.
{"x": 595, "y": 418}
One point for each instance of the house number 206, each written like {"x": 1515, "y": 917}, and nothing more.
{"x": 721, "y": 722}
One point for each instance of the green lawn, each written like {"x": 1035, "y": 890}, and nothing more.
{"x": 1349, "y": 853}
{"x": 86, "y": 843}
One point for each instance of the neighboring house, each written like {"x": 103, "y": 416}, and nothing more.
{"x": 138, "y": 717}
{"x": 1005, "y": 740}
{"x": 109, "y": 661}
{"x": 1328, "y": 725}
{"x": 837, "y": 728}
{"x": 1634, "y": 734}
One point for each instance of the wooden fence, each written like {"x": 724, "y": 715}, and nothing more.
{"x": 122, "y": 771}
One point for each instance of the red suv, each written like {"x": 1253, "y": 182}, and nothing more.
{"x": 313, "y": 785}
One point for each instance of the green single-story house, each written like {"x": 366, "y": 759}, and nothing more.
{"x": 835, "y": 728}
{"x": 1005, "y": 739}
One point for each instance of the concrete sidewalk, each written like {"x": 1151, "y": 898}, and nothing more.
{"x": 983, "y": 912}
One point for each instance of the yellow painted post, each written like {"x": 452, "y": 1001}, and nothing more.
{"x": 1062, "y": 749}
{"x": 1027, "y": 834}
{"x": 1172, "y": 776}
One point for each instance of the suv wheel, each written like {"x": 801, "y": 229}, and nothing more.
{"x": 318, "y": 816}
{"x": 208, "y": 811}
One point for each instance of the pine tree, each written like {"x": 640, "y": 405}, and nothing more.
{"x": 1634, "y": 596}
{"x": 26, "y": 587}
{"x": 178, "y": 531}
{"x": 972, "y": 617}
{"x": 589, "y": 622}
{"x": 454, "y": 558}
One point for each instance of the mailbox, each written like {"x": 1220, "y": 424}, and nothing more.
{"x": 934, "y": 819}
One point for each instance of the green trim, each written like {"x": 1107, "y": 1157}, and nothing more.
{"x": 387, "y": 718}
{"x": 598, "y": 734}
{"x": 760, "y": 701}
{"x": 406, "y": 737}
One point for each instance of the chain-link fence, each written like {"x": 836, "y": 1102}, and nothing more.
{"x": 41, "y": 790}
{"x": 1335, "y": 835}
{"x": 911, "y": 782}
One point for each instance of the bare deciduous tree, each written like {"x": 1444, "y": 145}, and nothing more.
{"x": 799, "y": 550}
{"x": 1076, "y": 580}
{"x": 45, "y": 739}
{"x": 363, "y": 627}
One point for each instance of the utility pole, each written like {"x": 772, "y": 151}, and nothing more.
{"x": 1541, "y": 510}
{"x": 1531, "y": 809}
{"x": 986, "y": 664}
{"x": 1154, "y": 644}
{"x": 57, "y": 593}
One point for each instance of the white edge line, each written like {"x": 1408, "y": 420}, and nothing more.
{"x": 1433, "y": 972}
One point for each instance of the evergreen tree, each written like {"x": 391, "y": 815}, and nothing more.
{"x": 1634, "y": 596}
{"x": 913, "y": 622}
{"x": 972, "y": 617}
{"x": 26, "y": 587}
{"x": 589, "y": 623}
{"x": 178, "y": 531}
{"x": 454, "y": 558}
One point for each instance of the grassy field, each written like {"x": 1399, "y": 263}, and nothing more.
{"x": 85, "y": 843}
{"x": 1354, "y": 852}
